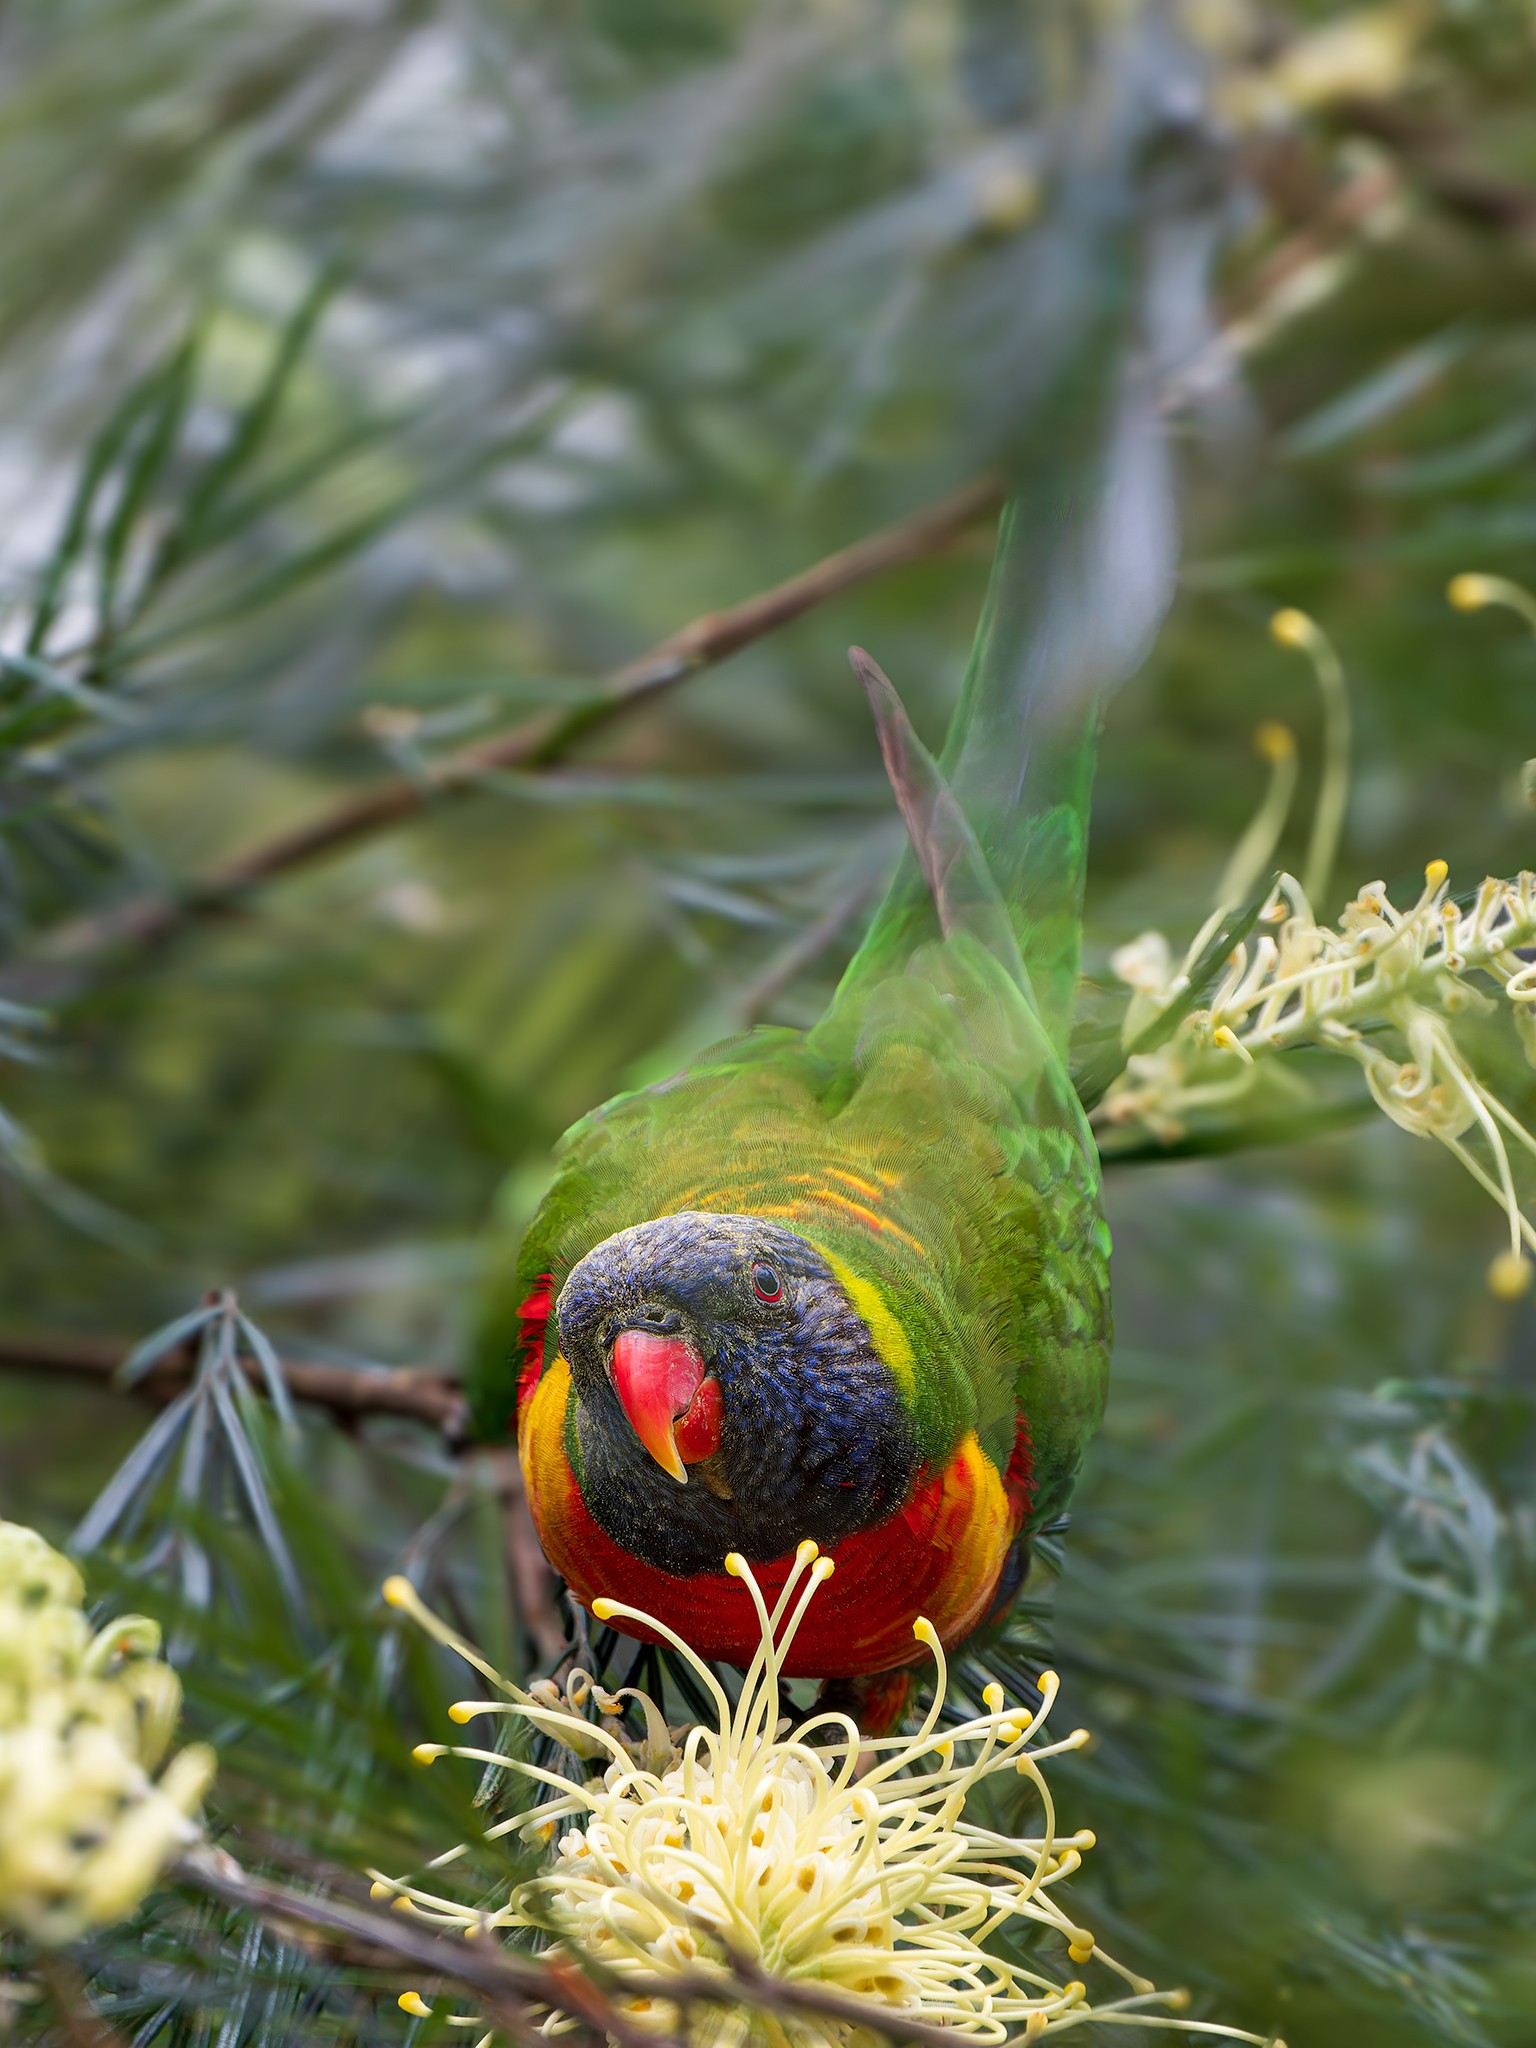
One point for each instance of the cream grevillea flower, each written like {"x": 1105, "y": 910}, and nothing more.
{"x": 84, "y": 1719}
{"x": 824, "y": 1858}
{"x": 1386, "y": 987}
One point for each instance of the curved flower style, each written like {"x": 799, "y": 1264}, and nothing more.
{"x": 84, "y": 1720}
{"x": 1405, "y": 976}
{"x": 826, "y": 1860}
{"x": 1410, "y": 970}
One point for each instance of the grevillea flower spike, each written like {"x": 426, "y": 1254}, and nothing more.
{"x": 825, "y": 1859}
{"x": 86, "y": 1718}
{"x": 1387, "y": 986}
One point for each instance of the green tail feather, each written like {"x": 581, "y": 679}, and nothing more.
{"x": 1079, "y": 583}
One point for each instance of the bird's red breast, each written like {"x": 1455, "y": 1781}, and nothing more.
{"x": 940, "y": 1555}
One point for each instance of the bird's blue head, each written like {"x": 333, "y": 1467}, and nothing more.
{"x": 728, "y": 1394}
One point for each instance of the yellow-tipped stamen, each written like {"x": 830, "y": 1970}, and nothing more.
{"x": 1292, "y": 628}
{"x": 762, "y": 1701}
{"x": 1509, "y": 1276}
{"x": 608, "y": 1610}
{"x": 413, "y": 2003}
{"x": 1335, "y": 988}
{"x": 1471, "y": 592}
{"x": 1253, "y": 856}
{"x": 400, "y": 1593}
{"x": 740, "y": 1838}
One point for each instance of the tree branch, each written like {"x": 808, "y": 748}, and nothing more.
{"x": 350, "y": 1393}
{"x": 82, "y": 2026}
{"x": 1264, "y": 303}
{"x": 506, "y": 1980}
{"x": 1436, "y": 157}
{"x": 537, "y": 742}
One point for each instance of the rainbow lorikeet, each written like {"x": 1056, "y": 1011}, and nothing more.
{"x": 852, "y": 1284}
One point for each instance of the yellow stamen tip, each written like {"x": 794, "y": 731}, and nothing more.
{"x": 1436, "y": 873}
{"x": 1510, "y": 1275}
{"x": 1046, "y": 1680}
{"x": 426, "y": 1752}
{"x": 378, "y": 1890}
{"x": 404, "y": 1905}
{"x": 807, "y": 1550}
{"x": 604, "y": 1610}
{"x": 1086, "y": 1839}
{"x": 1275, "y": 742}
{"x": 1074, "y": 1990}
{"x": 992, "y": 1697}
{"x": 824, "y": 1568}
{"x": 1080, "y": 1951}
{"x": 399, "y": 1592}
{"x": 735, "y": 1563}
{"x": 413, "y": 2003}
{"x": 925, "y": 1632}
{"x": 1469, "y": 593}
{"x": 1178, "y": 2001}
{"x": 1291, "y": 628}
{"x": 461, "y": 1711}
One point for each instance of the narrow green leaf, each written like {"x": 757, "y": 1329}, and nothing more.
{"x": 137, "y": 1472}
{"x": 162, "y": 1341}
{"x": 58, "y": 682}
{"x": 249, "y": 433}
{"x": 272, "y": 1372}
{"x": 99, "y": 463}
{"x": 167, "y": 407}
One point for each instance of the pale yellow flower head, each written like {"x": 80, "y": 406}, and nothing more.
{"x": 85, "y": 1718}
{"x": 820, "y": 1857}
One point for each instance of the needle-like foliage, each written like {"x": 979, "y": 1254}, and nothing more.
{"x": 386, "y": 387}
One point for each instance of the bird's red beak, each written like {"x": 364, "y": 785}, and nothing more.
{"x": 672, "y": 1407}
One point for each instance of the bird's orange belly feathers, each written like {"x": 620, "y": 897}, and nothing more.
{"x": 940, "y": 1555}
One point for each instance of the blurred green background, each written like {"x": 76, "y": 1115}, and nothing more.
{"x": 375, "y": 377}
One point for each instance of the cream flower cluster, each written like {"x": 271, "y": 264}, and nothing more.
{"x": 1384, "y": 987}
{"x": 1415, "y": 971}
{"x": 84, "y": 1720}
{"x": 818, "y": 1856}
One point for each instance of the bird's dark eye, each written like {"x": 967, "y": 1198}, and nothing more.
{"x": 766, "y": 1284}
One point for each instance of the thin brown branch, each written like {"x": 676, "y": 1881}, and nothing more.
{"x": 506, "y": 1981}
{"x": 350, "y": 1393}
{"x": 80, "y": 2025}
{"x": 1435, "y": 156}
{"x": 537, "y": 742}
{"x": 1324, "y": 224}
